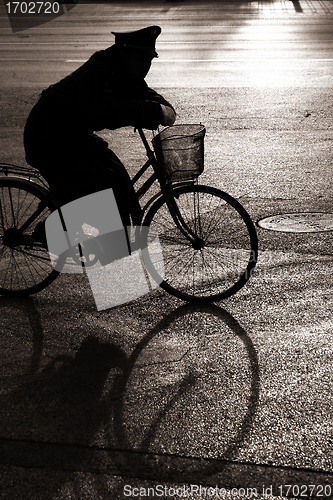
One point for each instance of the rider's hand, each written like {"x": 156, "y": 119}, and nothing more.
{"x": 168, "y": 115}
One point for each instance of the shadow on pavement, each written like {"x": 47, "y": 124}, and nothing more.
{"x": 51, "y": 419}
{"x": 27, "y": 306}
{"x": 161, "y": 467}
{"x": 64, "y": 426}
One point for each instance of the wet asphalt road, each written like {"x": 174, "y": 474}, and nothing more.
{"x": 156, "y": 392}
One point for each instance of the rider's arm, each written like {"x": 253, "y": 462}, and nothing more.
{"x": 136, "y": 113}
{"x": 103, "y": 103}
{"x": 149, "y": 112}
{"x": 137, "y": 105}
{"x": 155, "y": 97}
{"x": 116, "y": 113}
{"x": 168, "y": 112}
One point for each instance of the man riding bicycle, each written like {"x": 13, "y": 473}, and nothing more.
{"x": 107, "y": 92}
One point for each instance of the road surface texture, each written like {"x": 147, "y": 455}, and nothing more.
{"x": 157, "y": 398}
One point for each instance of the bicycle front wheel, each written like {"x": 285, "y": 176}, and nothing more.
{"x": 25, "y": 265}
{"x": 224, "y": 262}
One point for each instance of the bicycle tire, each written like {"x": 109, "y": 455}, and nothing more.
{"x": 227, "y": 259}
{"x": 24, "y": 269}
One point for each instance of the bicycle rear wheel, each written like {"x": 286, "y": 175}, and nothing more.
{"x": 227, "y": 258}
{"x": 25, "y": 265}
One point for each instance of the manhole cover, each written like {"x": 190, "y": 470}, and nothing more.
{"x": 307, "y": 222}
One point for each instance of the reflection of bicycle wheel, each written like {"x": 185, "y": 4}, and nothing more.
{"x": 25, "y": 265}
{"x": 225, "y": 261}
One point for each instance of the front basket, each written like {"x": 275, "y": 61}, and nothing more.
{"x": 180, "y": 151}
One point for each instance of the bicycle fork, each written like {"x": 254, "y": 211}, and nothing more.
{"x": 196, "y": 242}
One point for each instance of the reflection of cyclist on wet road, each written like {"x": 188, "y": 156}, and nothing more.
{"x": 107, "y": 92}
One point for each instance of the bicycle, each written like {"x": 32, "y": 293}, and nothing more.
{"x": 208, "y": 242}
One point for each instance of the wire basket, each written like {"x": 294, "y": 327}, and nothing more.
{"x": 180, "y": 151}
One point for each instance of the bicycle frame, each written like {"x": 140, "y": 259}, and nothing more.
{"x": 165, "y": 192}
{"x": 204, "y": 268}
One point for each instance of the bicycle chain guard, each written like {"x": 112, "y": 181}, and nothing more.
{"x": 28, "y": 173}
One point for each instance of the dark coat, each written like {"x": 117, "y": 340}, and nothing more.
{"x": 97, "y": 96}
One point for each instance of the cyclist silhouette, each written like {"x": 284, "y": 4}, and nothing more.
{"x": 107, "y": 92}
